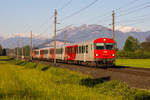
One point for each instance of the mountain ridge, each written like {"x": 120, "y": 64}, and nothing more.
{"x": 84, "y": 33}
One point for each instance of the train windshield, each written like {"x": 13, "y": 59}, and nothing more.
{"x": 104, "y": 46}
{"x": 99, "y": 46}
{"x": 109, "y": 46}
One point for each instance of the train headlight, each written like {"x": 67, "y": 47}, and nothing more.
{"x": 113, "y": 55}
{"x": 97, "y": 54}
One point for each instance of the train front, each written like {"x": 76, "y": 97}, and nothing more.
{"x": 104, "y": 52}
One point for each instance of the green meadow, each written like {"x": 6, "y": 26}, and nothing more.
{"x": 141, "y": 63}
{"x": 30, "y": 81}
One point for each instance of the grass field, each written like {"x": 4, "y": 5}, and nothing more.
{"x": 30, "y": 81}
{"x": 143, "y": 63}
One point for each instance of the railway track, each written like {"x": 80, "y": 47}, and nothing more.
{"x": 129, "y": 70}
{"x": 134, "y": 77}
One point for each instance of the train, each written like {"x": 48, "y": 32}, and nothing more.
{"x": 97, "y": 52}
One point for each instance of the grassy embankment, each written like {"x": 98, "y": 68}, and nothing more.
{"x": 30, "y": 81}
{"x": 141, "y": 63}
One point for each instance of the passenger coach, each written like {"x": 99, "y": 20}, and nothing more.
{"x": 100, "y": 52}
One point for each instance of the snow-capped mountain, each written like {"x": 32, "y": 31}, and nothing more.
{"x": 89, "y": 32}
{"x": 84, "y": 33}
{"x": 126, "y": 29}
{"x": 17, "y": 41}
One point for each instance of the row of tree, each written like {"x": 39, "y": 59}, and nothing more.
{"x": 134, "y": 49}
{"x": 2, "y": 51}
{"x": 15, "y": 52}
{"x": 18, "y": 51}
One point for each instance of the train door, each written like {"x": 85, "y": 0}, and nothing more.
{"x": 90, "y": 52}
{"x": 85, "y": 52}
{"x": 63, "y": 53}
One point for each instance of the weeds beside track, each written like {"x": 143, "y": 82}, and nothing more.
{"x": 31, "y": 81}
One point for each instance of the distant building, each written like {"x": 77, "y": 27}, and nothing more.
{"x": 51, "y": 43}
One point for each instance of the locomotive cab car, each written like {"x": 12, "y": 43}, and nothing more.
{"x": 104, "y": 51}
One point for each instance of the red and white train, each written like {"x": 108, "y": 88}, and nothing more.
{"x": 100, "y": 51}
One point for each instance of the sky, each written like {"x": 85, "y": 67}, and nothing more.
{"x": 22, "y": 16}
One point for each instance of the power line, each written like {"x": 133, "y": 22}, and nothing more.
{"x": 127, "y": 5}
{"x": 140, "y": 22}
{"x": 134, "y": 10}
{"x": 65, "y": 5}
{"x": 61, "y": 8}
{"x": 134, "y": 19}
{"x": 80, "y": 10}
{"x": 105, "y": 15}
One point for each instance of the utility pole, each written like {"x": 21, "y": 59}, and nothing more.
{"x": 17, "y": 49}
{"x": 31, "y": 47}
{"x": 55, "y": 22}
{"x": 22, "y": 49}
{"x": 113, "y": 24}
{"x": 64, "y": 38}
{"x": 14, "y": 53}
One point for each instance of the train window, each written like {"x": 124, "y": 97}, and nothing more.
{"x": 80, "y": 49}
{"x": 62, "y": 51}
{"x": 58, "y": 51}
{"x": 66, "y": 50}
{"x": 41, "y": 52}
{"x": 77, "y": 50}
{"x": 51, "y": 51}
{"x": 36, "y": 52}
{"x": 86, "y": 48}
{"x": 69, "y": 50}
{"x": 72, "y": 49}
{"x": 109, "y": 46}
{"x": 45, "y": 51}
{"x": 83, "y": 49}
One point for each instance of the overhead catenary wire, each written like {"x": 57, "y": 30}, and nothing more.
{"x": 61, "y": 8}
{"x": 106, "y": 16}
{"x": 143, "y": 17}
{"x": 133, "y": 10}
{"x": 46, "y": 21}
{"x": 65, "y": 5}
{"x": 80, "y": 10}
{"x": 126, "y": 5}
{"x": 128, "y": 9}
{"x": 134, "y": 23}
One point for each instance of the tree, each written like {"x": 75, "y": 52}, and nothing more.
{"x": 0, "y": 50}
{"x": 146, "y": 45}
{"x": 148, "y": 39}
{"x": 131, "y": 44}
{"x": 27, "y": 50}
{"x": 4, "y": 52}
